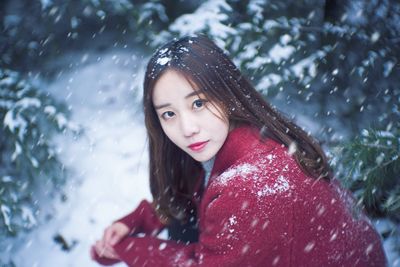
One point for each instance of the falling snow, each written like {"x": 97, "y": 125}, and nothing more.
{"x": 109, "y": 157}
{"x": 108, "y": 160}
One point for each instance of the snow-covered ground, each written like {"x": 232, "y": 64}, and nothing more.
{"x": 107, "y": 164}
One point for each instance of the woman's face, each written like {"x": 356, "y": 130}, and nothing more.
{"x": 189, "y": 120}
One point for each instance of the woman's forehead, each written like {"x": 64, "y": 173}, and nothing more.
{"x": 176, "y": 75}
{"x": 173, "y": 84}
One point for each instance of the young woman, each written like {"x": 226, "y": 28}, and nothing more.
{"x": 233, "y": 180}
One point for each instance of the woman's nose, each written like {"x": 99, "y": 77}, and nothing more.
{"x": 189, "y": 125}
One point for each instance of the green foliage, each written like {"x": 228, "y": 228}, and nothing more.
{"x": 52, "y": 26}
{"x": 138, "y": 18}
{"x": 370, "y": 166}
{"x": 29, "y": 168}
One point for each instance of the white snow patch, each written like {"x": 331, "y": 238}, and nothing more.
{"x": 17, "y": 151}
{"x": 14, "y": 122}
{"x": 301, "y": 67}
{"x": 7, "y": 179}
{"x": 268, "y": 81}
{"x": 50, "y": 110}
{"x": 163, "y": 51}
{"x": 209, "y": 16}
{"x": 242, "y": 170}
{"x": 270, "y": 24}
{"x": 279, "y": 52}
{"x": 258, "y": 62}
{"x": 232, "y": 220}
{"x": 281, "y": 185}
{"x": 5, "y": 210}
{"x": 28, "y": 102}
{"x": 270, "y": 157}
{"x": 163, "y": 60}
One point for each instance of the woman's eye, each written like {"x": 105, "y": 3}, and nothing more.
{"x": 167, "y": 115}
{"x": 198, "y": 103}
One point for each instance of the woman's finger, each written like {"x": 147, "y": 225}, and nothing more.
{"x": 108, "y": 234}
{"x": 104, "y": 251}
{"x": 99, "y": 248}
{"x": 115, "y": 238}
{"x": 109, "y": 252}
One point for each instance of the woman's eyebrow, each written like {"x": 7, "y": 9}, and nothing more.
{"x": 197, "y": 92}
{"x": 162, "y": 106}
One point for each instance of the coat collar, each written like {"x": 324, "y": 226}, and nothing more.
{"x": 240, "y": 141}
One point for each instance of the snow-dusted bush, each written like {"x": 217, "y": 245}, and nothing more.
{"x": 29, "y": 168}
{"x": 43, "y": 29}
{"x": 370, "y": 166}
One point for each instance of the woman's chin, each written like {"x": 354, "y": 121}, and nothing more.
{"x": 201, "y": 156}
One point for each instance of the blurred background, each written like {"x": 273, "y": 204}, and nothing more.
{"x": 73, "y": 145}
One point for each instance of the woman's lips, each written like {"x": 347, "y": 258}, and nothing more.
{"x": 198, "y": 146}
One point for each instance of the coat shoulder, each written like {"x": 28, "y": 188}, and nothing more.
{"x": 265, "y": 170}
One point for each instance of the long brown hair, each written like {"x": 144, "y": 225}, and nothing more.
{"x": 173, "y": 173}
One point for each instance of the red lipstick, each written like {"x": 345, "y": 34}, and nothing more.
{"x": 198, "y": 146}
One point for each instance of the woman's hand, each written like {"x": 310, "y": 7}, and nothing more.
{"x": 100, "y": 249}
{"x": 112, "y": 235}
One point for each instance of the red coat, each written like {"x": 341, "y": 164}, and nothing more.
{"x": 260, "y": 209}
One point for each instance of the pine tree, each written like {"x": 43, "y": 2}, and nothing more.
{"x": 369, "y": 166}
{"x": 29, "y": 168}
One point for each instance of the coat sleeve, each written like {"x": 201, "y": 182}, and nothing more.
{"x": 141, "y": 220}
{"x": 237, "y": 229}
